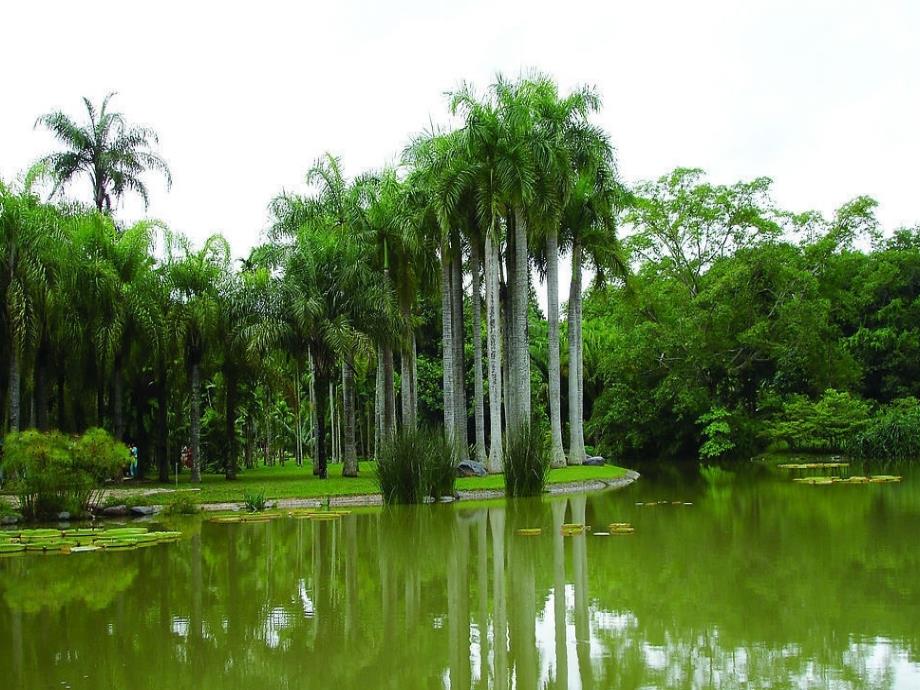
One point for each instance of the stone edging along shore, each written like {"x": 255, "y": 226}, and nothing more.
{"x": 478, "y": 494}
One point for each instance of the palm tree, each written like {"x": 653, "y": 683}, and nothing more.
{"x": 112, "y": 153}
{"x": 195, "y": 278}
{"x": 28, "y": 231}
{"x": 333, "y": 290}
{"x": 440, "y": 173}
{"x": 588, "y": 223}
{"x": 569, "y": 138}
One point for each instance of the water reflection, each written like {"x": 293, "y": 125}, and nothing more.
{"x": 756, "y": 584}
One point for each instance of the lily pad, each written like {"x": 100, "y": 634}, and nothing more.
{"x": 529, "y": 532}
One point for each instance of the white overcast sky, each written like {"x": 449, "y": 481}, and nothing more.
{"x": 822, "y": 96}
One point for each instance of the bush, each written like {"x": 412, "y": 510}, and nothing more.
{"x": 51, "y": 472}
{"x": 254, "y": 501}
{"x": 526, "y": 460}
{"x": 415, "y": 465}
{"x": 823, "y": 425}
{"x": 181, "y": 504}
{"x": 892, "y": 434}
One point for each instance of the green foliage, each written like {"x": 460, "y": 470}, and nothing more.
{"x": 892, "y": 434}
{"x": 825, "y": 424}
{"x": 718, "y": 434}
{"x": 254, "y": 500}
{"x": 716, "y": 476}
{"x": 52, "y": 472}
{"x": 415, "y": 465}
{"x": 526, "y": 460}
{"x": 181, "y": 504}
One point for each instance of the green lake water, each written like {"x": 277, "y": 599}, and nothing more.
{"x": 760, "y": 583}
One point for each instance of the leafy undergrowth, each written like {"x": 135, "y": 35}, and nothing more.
{"x": 291, "y": 481}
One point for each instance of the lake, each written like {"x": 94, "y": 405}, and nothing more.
{"x": 754, "y": 582}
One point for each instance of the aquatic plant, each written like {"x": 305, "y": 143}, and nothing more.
{"x": 181, "y": 504}
{"x": 415, "y": 465}
{"x": 254, "y": 500}
{"x": 526, "y": 460}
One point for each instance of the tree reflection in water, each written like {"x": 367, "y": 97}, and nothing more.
{"x": 764, "y": 583}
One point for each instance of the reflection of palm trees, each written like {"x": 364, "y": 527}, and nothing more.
{"x": 458, "y": 608}
{"x": 524, "y": 614}
{"x": 482, "y": 575}
{"x": 582, "y": 622}
{"x": 500, "y": 615}
{"x": 562, "y": 657}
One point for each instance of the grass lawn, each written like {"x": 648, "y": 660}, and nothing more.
{"x": 291, "y": 481}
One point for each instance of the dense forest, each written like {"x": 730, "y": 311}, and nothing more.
{"x": 711, "y": 324}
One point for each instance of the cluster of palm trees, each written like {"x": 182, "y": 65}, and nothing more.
{"x": 133, "y": 328}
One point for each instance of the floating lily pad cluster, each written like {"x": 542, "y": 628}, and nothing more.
{"x": 664, "y": 503}
{"x": 571, "y": 529}
{"x": 230, "y": 518}
{"x": 812, "y": 465}
{"x": 79, "y": 540}
{"x": 872, "y": 479}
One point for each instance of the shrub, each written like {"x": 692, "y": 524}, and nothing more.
{"x": 51, "y": 472}
{"x": 823, "y": 425}
{"x": 254, "y": 500}
{"x": 526, "y": 460}
{"x": 892, "y": 434}
{"x": 414, "y": 465}
{"x": 181, "y": 504}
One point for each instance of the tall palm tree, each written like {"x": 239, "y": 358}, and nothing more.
{"x": 588, "y": 222}
{"x": 335, "y": 292}
{"x": 569, "y": 139}
{"x": 113, "y": 154}
{"x": 196, "y": 277}
{"x": 28, "y": 231}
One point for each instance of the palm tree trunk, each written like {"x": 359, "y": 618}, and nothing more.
{"x": 389, "y": 393}
{"x": 312, "y": 407}
{"x": 14, "y": 387}
{"x": 459, "y": 336}
{"x": 557, "y": 452}
{"x": 407, "y": 374}
{"x": 118, "y": 422}
{"x": 414, "y": 381}
{"x": 520, "y": 298}
{"x": 510, "y": 351}
{"x": 576, "y": 428}
{"x": 232, "y": 385}
{"x": 298, "y": 424}
{"x": 61, "y": 401}
{"x": 478, "y": 402}
{"x": 161, "y": 425}
{"x": 247, "y": 451}
{"x": 335, "y": 456}
{"x": 195, "y": 422}
{"x": 320, "y": 431}
{"x": 350, "y": 452}
{"x": 41, "y": 383}
{"x": 494, "y": 355}
{"x": 378, "y": 400}
{"x": 447, "y": 347}
{"x": 504, "y": 323}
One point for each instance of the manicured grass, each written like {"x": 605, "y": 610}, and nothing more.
{"x": 291, "y": 481}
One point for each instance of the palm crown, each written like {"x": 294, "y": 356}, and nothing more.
{"x": 111, "y": 152}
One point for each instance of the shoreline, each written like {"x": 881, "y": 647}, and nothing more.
{"x": 376, "y": 499}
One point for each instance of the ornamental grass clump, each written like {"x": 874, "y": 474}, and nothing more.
{"x": 526, "y": 460}
{"x": 51, "y": 472}
{"x": 415, "y": 465}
